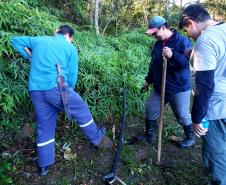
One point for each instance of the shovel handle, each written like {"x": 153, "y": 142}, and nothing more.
{"x": 162, "y": 105}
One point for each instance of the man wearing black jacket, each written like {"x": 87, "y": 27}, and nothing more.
{"x": 173, "y": 46}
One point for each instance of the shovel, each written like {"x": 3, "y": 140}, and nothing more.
{"x": 111, "y": 177}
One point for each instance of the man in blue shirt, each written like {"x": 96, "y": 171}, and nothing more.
{"x": 209, "y": 65}
{"x": 47, "y": 51}
{"x": 172, "y": 45}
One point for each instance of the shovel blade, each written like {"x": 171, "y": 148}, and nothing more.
{"x": 109, "y": 179}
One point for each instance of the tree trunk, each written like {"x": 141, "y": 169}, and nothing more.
{"x": 145, "y": 12}
{"x": 145, "y": 17}
{"x": 91, "y": 12}
{"x": 107, "y": 25}
{"x": 96, "y": 16}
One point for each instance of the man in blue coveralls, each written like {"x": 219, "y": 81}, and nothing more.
{"x": 47, "y": 51}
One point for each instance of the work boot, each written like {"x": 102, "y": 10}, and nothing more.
{"x": 151, "y": 129}
{"x": 150, "y": 133}
{"x": 105, "y": 143}
{"x": 189, "y": 139}
{"x": 43, "y": 170}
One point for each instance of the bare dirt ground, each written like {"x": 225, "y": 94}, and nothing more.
{"x": 137, "y": 165}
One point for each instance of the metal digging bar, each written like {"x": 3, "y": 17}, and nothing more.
{"x": 111, "y": 177}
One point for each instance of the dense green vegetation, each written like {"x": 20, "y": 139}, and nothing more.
{"x": 122, "y": 53}
{"x": 104, "y": 64}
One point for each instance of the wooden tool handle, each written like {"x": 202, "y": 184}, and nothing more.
{"x": 162, "y": 105}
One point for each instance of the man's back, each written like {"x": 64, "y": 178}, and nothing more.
{"x": 47, "y": 51}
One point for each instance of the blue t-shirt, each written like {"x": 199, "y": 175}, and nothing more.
{"x": 47, "y": 51}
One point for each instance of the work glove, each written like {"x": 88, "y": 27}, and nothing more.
{"x": 144, "y": 88}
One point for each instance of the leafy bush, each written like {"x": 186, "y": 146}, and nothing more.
{"x": 4, "y": 177}
{"x": 17, "y": 18}
{"x": 104, "y": 63}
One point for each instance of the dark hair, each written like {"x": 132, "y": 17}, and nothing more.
{"x": 65, "y": 29}
{"x": 195, "y": 12}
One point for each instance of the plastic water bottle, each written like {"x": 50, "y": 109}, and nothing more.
{"x": 205, "y": 123}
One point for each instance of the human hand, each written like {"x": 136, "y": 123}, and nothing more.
{"x": 167, "y": 52}
{"x": 199, "y": 130}
{"x": 144, "y": 88}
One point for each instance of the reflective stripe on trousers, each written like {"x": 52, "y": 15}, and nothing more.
{"x": 47, "y": 105}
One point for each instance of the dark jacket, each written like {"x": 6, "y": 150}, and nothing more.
{"x": 178, "y": 72}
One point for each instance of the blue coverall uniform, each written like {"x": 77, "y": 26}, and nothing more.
{"x": 47, "y": 51}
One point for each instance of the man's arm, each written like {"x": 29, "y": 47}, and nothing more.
{"x": 204, "y": 64}
{"x": 203, "y": 91}
{"x": 20, "y": 43}
{"x": 149, "y": 77}
{"x": 73, "y": 68}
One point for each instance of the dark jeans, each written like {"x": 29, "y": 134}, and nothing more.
{"x": 214, "y": 151}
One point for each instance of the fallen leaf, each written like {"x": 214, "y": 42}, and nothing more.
{"x": 69, "y": 155}
{"x": 173, "y": 138}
